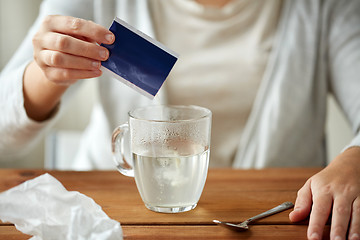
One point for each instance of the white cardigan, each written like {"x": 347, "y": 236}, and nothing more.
{"x": 316, "y": 51}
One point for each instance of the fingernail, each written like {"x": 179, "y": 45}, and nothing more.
{"x": 297, "y": 209}
{"x": 338, "y": 238}
{"x": 355, "y": 236}
{"x": 103, "y": 54}
{"x": 314, "y": 236}
{"x": 294, "y": 211}
{"x": 96, "y": 64}
{"x": 109, "y": 37}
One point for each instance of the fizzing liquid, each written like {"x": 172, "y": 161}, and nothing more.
{"x": 174, "y": 182}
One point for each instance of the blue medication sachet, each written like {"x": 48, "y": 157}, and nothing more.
{"x": 138, "y": 60}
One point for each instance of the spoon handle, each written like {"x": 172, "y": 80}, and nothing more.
{"x": 280, "y": 208}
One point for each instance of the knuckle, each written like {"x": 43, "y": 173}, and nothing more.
{"x": 47, "y": 20}
{"x": 36, "y": 39}
{"x": 40, "y": 60}
{"x": 356, "y": 211}
{"x": 56, "y": 59}
{"x": 300, "y": 192}
{"x": 320, "y": 209}
{"x": 349, "y": 190}
{"x": 315, "y": 227}
{"x": 325, "y": 190}
{"x": 338, "y": 230}
{"x": 356, "y": 207}
{"x": 55, "y": 75}
{"x": 37, "y": 59}
{"x": 75, "y": 23}
{"x": 49, "y": 74}
{"x": 342, "y": 209}
{"x": 61, "y": 42}
{"x": 64, "y": 74}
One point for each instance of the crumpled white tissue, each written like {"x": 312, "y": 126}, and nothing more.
{"x": 43, "y": 208}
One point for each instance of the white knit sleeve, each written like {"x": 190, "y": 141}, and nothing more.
{"x": 17, "y": 131}
{"x": 344, "y": 61}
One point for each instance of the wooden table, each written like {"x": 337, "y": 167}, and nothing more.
{"x": 229, "y": 195}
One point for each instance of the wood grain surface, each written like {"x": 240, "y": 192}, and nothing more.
{"x": 229, "y": 195}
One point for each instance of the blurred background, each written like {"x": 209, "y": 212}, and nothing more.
{"x": 16, "y": 17}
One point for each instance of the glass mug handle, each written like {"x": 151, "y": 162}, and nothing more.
{"x": 117, "y": 146}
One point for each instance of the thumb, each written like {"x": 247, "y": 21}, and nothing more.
{"x": 303, "y": 203}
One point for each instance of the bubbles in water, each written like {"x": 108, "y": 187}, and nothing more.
{"x": 171, "y": 181}
{"x": 163, "y": 162}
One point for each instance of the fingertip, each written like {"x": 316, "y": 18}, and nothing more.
{"x": 297, "y": 215}
{"x": 97, "y": 72}
{"x": 314, "y": 236}
{"x": 110, "y": 38}
{"x": 354, "y": 236}
{"x": 293, "y": 216}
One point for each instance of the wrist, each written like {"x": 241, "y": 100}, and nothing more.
{"x": 349, "y": 159}
{"x": 41, "y": 96}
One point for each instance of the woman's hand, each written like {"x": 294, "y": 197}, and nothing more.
{"x": 65, "y": 49}
{"x": 336, "y": 190}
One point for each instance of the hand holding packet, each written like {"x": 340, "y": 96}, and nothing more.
{"x": 138, "y": 60}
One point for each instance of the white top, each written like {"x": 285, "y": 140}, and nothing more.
{"x": 223, "y": 54}
{"x": 315, "y": 51}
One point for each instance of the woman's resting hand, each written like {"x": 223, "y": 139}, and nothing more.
{"x": 336, "y": 190}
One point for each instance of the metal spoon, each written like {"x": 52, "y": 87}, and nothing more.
{"x": 244, "y": 225}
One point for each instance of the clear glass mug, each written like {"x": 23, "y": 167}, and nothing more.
{"x": 170, "y": 148}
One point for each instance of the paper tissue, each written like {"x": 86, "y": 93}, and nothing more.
{"x": 43, "y": 208}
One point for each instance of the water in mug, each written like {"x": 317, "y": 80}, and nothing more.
{"x": 172, "y": 179}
